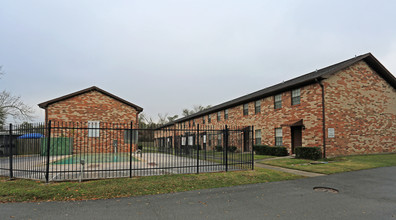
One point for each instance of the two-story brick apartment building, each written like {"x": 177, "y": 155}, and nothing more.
{"x": 346, "y": 108}
{"x": 94, "y": 118}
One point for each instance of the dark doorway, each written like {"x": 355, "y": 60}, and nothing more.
{"x": 246, "y": 139}
{"x": 296, "y": 134}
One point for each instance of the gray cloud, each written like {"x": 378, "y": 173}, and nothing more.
{"x": 169, "y": 55}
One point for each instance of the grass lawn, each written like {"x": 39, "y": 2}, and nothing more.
{"x": 338, "y": 164}
{"x": 32, "y": 191}
{"x": 259, "y": 157}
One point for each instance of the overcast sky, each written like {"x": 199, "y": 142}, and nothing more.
{"x": 168, "y": 55}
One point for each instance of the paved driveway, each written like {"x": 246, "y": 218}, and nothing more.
{"x": 368, "y": 194}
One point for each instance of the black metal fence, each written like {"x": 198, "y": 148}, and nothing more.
{"x": 74, "y": 151}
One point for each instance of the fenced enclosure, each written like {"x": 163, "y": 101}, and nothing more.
{"x": 59, "y": 151}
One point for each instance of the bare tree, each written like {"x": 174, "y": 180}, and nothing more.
{"x": 196, "y": 108}
{"x": 12, "y": 106}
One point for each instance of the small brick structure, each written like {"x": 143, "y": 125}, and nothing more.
{"x": 89, "y": 109}
{"x": 359, "y": 117}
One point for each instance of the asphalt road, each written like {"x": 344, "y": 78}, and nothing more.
{"x": 367, "y": 194}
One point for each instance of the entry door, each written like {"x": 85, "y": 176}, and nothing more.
{"x": 296, "y": 133}
{"x": 246, "y": 139}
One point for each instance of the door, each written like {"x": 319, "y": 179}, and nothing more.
{"x": 296, "y": 133}
{"x": 246, "y": 139}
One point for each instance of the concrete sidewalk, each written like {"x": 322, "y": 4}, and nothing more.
{"x": 286, "y": 170}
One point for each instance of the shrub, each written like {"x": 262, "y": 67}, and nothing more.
{"x": 273, "y": 151}
{"x": 219, "y": 148}
{"x": 140, "y": 146}
{"x": 196, "y": 147}
{"x": 311, "y": 153}
{"x": 232, "y": 149}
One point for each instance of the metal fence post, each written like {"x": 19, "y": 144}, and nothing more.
{"x": 252, "y": 148}
{"x": 226, "y": 147}
{"x": 198, "y": 149}
{"x": 48, "y": 151}
{"x": 10, "y": 151}
{"x": 130, "y": 150}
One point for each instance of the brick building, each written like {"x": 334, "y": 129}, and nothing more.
{"x": 98, "y": 118}
{"x": 346, "y": 108}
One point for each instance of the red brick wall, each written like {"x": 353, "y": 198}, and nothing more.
{"x": 361, "y": 107}
{"x": 93, "y": 106}
{"x": 310, "y": 110}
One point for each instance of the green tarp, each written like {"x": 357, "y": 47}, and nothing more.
{"x": 58, "y": 146}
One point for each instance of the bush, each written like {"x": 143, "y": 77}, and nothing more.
{"x": 140, "y": 146}
{"x": 196, "y": 147}
{"x": 232, "y": 149}
{"x": 273, "y": 151}
{"x": 311, "y": 153}
{"x": 219, "y": 148}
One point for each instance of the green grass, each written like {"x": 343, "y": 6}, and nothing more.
{"x": 96, "y": 158}
{"x": 32, "y": 191}
{"x": 338, "y": 164}
{"x": 260, "y": 157}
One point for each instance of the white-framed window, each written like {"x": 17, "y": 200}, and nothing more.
{"x": 278, "y": 137}
{"x": 278, "y": 101}
{"x": 257, "y": 106}
{"x": 203, "y": 119}
{"x": 245, "y": 109}
{"x": 93, "y": 128}
{"x": 128, "y": 138}
{"x": 219, "y": 140}
{"x": 257, "y": 136}
{"x": 218, "y": 116}
{"x": 209, "y": 119}
{"x": 296, "y": 97}
{"x": 226, "y": 114}
{"x": 190, "y": 140}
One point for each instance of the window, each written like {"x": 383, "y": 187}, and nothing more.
{"x": 278, "y": 101}
{"x": 93, "y": 128}
{"x": 295, "y": 96}
{"x": 218, "y": 116}
{"x": 226, "y": 114}
{"x": 194, "y": 122}
{"x": 257, "y": 107}
{"x": 203, "y": 119}
{"x": 209, "y": 119}
{"x": 245, "y": 109}
{"x": 278, "y": 136}
{"x": 128, "y": 138}
{"x": 257, "y": 138}
{"x": 219, "y": 142}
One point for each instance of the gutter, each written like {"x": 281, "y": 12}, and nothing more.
{"x": 319, "y": 81}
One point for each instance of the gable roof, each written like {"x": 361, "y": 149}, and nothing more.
{"x": 90, "y": 89}
{"x": 297, "y": 82}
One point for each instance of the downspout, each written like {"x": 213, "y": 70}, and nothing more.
{"x": 323, "y": 117}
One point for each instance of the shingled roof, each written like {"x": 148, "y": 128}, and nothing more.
{"x": 90, "y": 89}
{"x": 297, "y": 82}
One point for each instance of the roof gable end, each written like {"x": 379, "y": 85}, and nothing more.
{"x": 44, "y": 105}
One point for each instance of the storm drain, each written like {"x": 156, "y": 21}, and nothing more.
{"x": 325, "y": 189}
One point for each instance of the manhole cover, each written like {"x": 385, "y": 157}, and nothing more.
{"x": 325, "y": 189}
